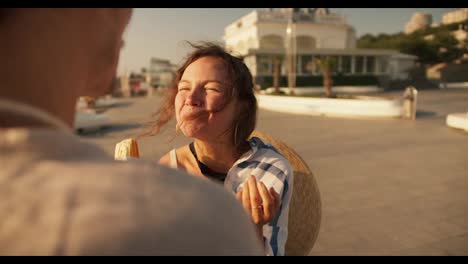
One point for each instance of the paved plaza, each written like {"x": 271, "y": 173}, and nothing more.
{"x": 388, "y": 187}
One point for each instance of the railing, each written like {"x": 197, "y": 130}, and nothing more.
{"x": 272, "y": 17}
{"x": 331, "y": 19}
{"x": 266, "y": 16}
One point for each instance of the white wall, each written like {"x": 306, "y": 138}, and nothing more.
{"x": 458, "y": 120}
{"x": 246, "y": 36}
{"x": 246, "y": 22}
{"x": 337, "y": 89}
{"x": 370, "y": 107}
{"x": 351, "y": 41}
{"x": 251, "y": 63}
{"x": 335, "y": 36}
{"x": 326, "y": 36}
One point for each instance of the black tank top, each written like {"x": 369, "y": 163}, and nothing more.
{"x": 217, "y": 176}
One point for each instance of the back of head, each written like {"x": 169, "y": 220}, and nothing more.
{"x": 50, "y": 56}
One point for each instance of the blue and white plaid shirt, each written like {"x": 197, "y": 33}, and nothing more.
{"x": 268, "y": 166}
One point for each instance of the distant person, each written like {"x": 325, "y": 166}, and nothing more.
{"x": 214, "y": 104}
{"x": 60, "y": 196}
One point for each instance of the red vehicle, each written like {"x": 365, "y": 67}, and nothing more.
{"x": 138, "y": 85}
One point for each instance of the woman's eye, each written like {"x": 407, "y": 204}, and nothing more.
{"x": 184, "y": 89}
{"x": 212, "y": 89}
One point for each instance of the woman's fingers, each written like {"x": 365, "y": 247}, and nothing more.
{"x": 260, "y": 203}
{"x": 239, "y": 195}
{"x": 255, "y": 201}
{"x": 268, "y": 202}
{"x": 246, "y": 198}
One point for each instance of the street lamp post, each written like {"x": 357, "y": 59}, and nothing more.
{"x": 291, "y": 52}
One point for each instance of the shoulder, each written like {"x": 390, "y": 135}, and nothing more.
{"x": 120, "y": 208}
{"x": 165, "y": 159}
{"x": 180, "y": 154}
{"x": 264, "y": 148}
{"x": 158, "y": 210}
{"x": 266, "y": 164}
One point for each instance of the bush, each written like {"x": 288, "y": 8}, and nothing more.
{"x": 427, "y": 51}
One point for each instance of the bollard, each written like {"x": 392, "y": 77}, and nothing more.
{"x": 410, "y": 97}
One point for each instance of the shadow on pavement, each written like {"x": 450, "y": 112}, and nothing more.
{"x": 422, "y": 113}
{"x": 107, "y": 130}
{"x": 104, "y": 108}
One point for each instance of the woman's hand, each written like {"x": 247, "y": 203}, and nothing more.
{"x": 262, "y": 205}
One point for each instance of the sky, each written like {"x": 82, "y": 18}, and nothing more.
{"x": 161, "y": 32}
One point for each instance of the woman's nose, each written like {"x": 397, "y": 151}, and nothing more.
{"x": 193, "y": 99}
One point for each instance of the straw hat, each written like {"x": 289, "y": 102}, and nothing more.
{"x": 305, "y": 209}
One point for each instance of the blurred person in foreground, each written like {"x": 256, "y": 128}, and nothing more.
{"x": 61, "y": 196}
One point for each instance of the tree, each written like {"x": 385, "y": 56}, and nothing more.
{"x": 425, "y": 51}
{"x": 276, "y": 73}
{"x": 442, "y": 48}
{"x": 447, "y": 46}
{"x": 366, "y": 41}
{"x": 326, "y": 65}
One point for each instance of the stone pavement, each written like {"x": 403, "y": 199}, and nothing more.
{"x": 388, "y": 187}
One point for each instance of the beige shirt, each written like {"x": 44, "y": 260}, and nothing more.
{"x": 61, "y": 196}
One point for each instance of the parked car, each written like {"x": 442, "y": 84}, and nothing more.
{"x": 85, "y": 102}
{"x": 106, "y": 101}
{"x": 89, "y": 120}
{"x": 138, "y": 85}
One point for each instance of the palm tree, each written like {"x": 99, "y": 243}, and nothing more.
{"x": 326, "y": 65}
{"x": 276, "y": 73}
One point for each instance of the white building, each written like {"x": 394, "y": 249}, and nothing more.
{"x": 456, "y": 16}
{"x": 418, "y": 21}
{"x": 161, "y": 72}
{"x": 262, "y": 35}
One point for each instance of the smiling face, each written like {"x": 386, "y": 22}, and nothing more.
{"x": 212, "y": 97}
{"x": 201, "y": 105}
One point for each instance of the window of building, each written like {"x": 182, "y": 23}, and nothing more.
{"x": 333, "y": 62}
{"x": 346, "y": 64}
{"x": 271, "y": 42}
{"x": 307, "y": 66}
{"x": 382, "y": 64}
{"x": 264, "y": 65}
{"x": 359, "y": 64}
{"x": 370, "y": 64}
{"x": 305, "y": 42}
